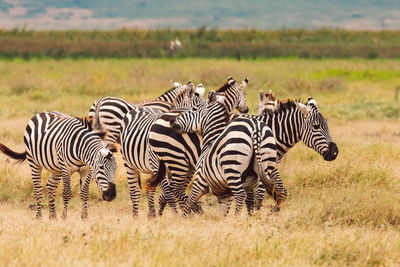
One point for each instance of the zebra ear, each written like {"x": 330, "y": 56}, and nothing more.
{"x": 261, "y": 95}
{"x": 244, "y": 83}
{"x": 311, "y": 102}
{"x": 270, "y": 96}
{"x": 200, "y": 90}
{"x": 105, "y": 153}
{"x": 212, "y": 96}
{"x": 176, "y": 84}
{"x": 303, "y": 108}
{"x": 112, "y": 148}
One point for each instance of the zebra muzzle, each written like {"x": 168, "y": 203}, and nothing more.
{"x": 175, "y": 127}
{"x": 332, "y": 152}
{"x": 110, "y": 193}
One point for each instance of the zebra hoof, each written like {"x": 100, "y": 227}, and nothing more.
{"x": 151, "y": 215}
{"x": 53, "y": 217}
{"x": 197, "y": 209}
{"x": 275, "y": 209}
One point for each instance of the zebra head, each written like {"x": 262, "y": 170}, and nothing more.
{"x": 235, "y": 95}
{"x": 315, "y": 132}
{"x": 190, "y": 97}
{"x": 196, "y": 119}
{"x": 104, "y": 168}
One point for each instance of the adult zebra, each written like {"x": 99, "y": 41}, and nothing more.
{"x": 138, "y": 156}
{"x": 108, "y": 112}
{"x": 178, "y": 153}
{"x": 233, "y": 156}
{"x": 63, "y": 145}
{"x": 291, "y": 122}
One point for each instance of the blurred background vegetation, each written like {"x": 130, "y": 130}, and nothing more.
{"x": 201, "y": 43}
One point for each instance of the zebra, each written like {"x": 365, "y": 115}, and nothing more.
{"x": 138, "y": 156}
{"x": 267, "y": 101}
{"x": 178, "y": 153}
{"x": 62, "y": 145}
{"x": 234, "y": 155}
{"x": 292, "y": 121}
{"x": 108, "y": 112}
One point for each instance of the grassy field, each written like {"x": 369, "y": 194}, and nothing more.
{"x": 345, "y": 212}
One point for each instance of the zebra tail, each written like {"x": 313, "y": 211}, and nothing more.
{"x": 257, "y": 144}
{"x": 162, "y": 172}
{"x": 12, "y": 154}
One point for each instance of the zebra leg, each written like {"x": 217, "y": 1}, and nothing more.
{"x": 178, "y": 189}
{"x": 134, "y": 191}
{"x": 85, "y": 176}
{"x": 38, "y": 188}
{"x": 250, "y": 201}
{"x": 280, "y": 193}
{"x": 162, "y": 202}
{"x": 224, "y": 204}
{"x": 51, "y": 187}
{"x": 169, "y": 197}
{"x": 236, "y": 187}
{"x": 259, "y": 197}
{"x": 67, "y": 194}
{"x": 197, "y": 207}
{"x": 150, "y": 192}
{"x": 199, "y": 189}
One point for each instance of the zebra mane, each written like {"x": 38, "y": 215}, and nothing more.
{"x": 90, "y": 125}
{"x": 282, "y": 106}
{"x": 168, "y": 91}
{"x": 224, "y": 87}
{"x": 179, "y": 96}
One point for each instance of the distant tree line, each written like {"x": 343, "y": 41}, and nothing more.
{"x": 203, "y": 42}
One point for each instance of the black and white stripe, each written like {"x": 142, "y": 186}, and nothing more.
{"x": 233, "y": 156}
{"x": 138, "y": 155}
{"x": 109, "y": 111}
{"x": 180, "y": 152}
{"x": 62, "y": 145}
{"x": 291, "y": 122}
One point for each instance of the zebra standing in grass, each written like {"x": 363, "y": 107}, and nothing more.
{"x": 109, "y": 111}
{"x": 291, "y": 122}
{"x": 178, "y": 153}
{"x": 137, "y": 154}
{"x": 63, "y": 145}
{"x": 233, "y": 156}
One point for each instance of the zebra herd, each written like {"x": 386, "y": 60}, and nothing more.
{"x": 173, "y": 138}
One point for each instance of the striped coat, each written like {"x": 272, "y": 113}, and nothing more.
{"x": 62, "y": 145}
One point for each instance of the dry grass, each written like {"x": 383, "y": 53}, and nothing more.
{"x": 344, "y": 212}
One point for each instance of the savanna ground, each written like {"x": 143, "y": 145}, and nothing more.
{"x": 345, "y": 212}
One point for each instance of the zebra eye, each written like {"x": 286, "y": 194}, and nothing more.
{"x": 194, "y": 108}
{"x": 316, "y": 126}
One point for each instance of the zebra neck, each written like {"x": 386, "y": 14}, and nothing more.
{"x": 215, "y": 123}
{"x": 88, "y": 149}
{"x": 286, "y": 126}
{"x": 231, "y": 99}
